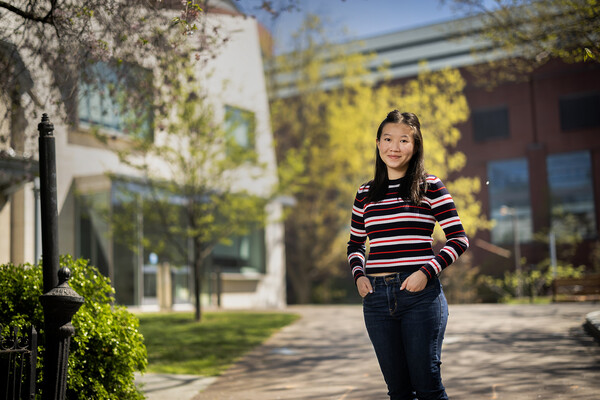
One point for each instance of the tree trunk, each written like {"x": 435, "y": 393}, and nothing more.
{"x": 197, "y": 291}
{"x": 301, "y": 286}
{"x": 198, "y": 273}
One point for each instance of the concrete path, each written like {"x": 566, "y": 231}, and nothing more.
{"x": 172, "y": 387}
{"x": 498, "y": 352}
{"x": 521, "y": 352}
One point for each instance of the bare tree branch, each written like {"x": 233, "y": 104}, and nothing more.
{"x": 48, "y": 19}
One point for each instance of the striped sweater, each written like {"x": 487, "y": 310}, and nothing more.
{"x": 400, "y": 233}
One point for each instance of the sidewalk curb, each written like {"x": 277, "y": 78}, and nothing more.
{"x": 592, "y": 324}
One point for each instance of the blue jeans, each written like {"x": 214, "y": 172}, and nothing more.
{"x": 407, "y": 329}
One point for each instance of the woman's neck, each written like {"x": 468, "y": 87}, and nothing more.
{"x": 394, "y": 175}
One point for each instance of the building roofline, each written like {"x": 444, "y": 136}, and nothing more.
{"x": 446, "y": 44}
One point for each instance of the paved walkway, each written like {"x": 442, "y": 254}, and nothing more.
{"x": 499, "y": 352}
{"x": 172, "y": 387}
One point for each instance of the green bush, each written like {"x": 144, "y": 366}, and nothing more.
{"x": 107, "y": 347}
{"x": 534, "y": 281}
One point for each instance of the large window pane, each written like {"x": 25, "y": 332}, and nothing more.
{"x": 239, "y": 125}
{"x": 571, "y": 194}
{"x": 509, "y": 200}
{"x": 93, "y": 230}
{"x": 490, "y": 123}
{"x": 96, "y": 107}
{"x": 241, "y": 254}
{"x": 579, "y": 111}
{"x": 105, "y": 91}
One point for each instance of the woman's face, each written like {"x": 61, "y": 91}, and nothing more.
{"x": 396, "y": 148}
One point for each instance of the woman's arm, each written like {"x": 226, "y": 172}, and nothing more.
{"x": 358, "y": 236}
{"x": 444, "y": 211}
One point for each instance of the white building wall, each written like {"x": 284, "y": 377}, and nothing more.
{"x": 237, "y": 79}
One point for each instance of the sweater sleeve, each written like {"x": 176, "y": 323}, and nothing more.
{"x": 444, "y": 211}
{"x": 358, "y": 236}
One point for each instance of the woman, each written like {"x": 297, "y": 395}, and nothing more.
{"x": 404, "y": 306}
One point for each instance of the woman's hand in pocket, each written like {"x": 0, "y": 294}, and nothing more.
{"x": 415, "y": 282}
{"x": 363, "y": 284}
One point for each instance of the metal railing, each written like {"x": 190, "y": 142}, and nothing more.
{"x": 18, "y": 358}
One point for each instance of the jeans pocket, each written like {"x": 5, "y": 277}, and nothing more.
{"x": 365, "y": 299}
{"x": 430, "y": 286}
{"x": 375, "y": 299}
{"x": 370, "y": 294}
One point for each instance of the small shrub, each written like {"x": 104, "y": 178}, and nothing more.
{"x": 107, "y": 347}
{"x": 533, "y": 281}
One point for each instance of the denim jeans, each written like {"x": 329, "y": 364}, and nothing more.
{"x": 407, "y": 329}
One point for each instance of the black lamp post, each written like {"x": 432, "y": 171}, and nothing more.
{"x": 59, "y": 301}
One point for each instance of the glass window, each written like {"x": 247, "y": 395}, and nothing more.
{"x": 92, "y": 230}
{"x": 571, "y": 193}
{"x": 509, "y": 200}
{"x": 96, "y": 105}
{"x": 579, "y": 111}
{"x": 104, "y": 91}
{"x": 239, "y": 125}
{"x": 242, "y": 254}
{"x": 139, "y": 230}
{"x": 491, "y": 123}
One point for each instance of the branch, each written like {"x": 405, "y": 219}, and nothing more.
{"x": 27, "y": 15}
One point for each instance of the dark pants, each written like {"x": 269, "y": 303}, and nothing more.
{"x": 407, "y": 329}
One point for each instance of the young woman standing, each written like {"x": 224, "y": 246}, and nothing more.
{"x": 404, "y": 306}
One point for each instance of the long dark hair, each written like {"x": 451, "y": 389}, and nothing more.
{"x": 415, "y": 184}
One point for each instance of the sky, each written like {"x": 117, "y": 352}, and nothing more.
{"x": 359, "y": 18}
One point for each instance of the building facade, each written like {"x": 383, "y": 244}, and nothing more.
{"x": 92, "y": 181}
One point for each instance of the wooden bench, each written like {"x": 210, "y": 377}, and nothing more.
{"x": 585, "y": 288}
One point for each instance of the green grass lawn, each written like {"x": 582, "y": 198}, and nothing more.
{"x": 178, "y": 345}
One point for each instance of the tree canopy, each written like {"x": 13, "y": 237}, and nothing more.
{"x": 530, "y": 32}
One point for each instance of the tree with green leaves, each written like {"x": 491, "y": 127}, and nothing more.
{"x": 195, "y": 170}
{"x": 528, "y": 33}
{"x": 309, "y": 163}
{"x": 325, "y": 118}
